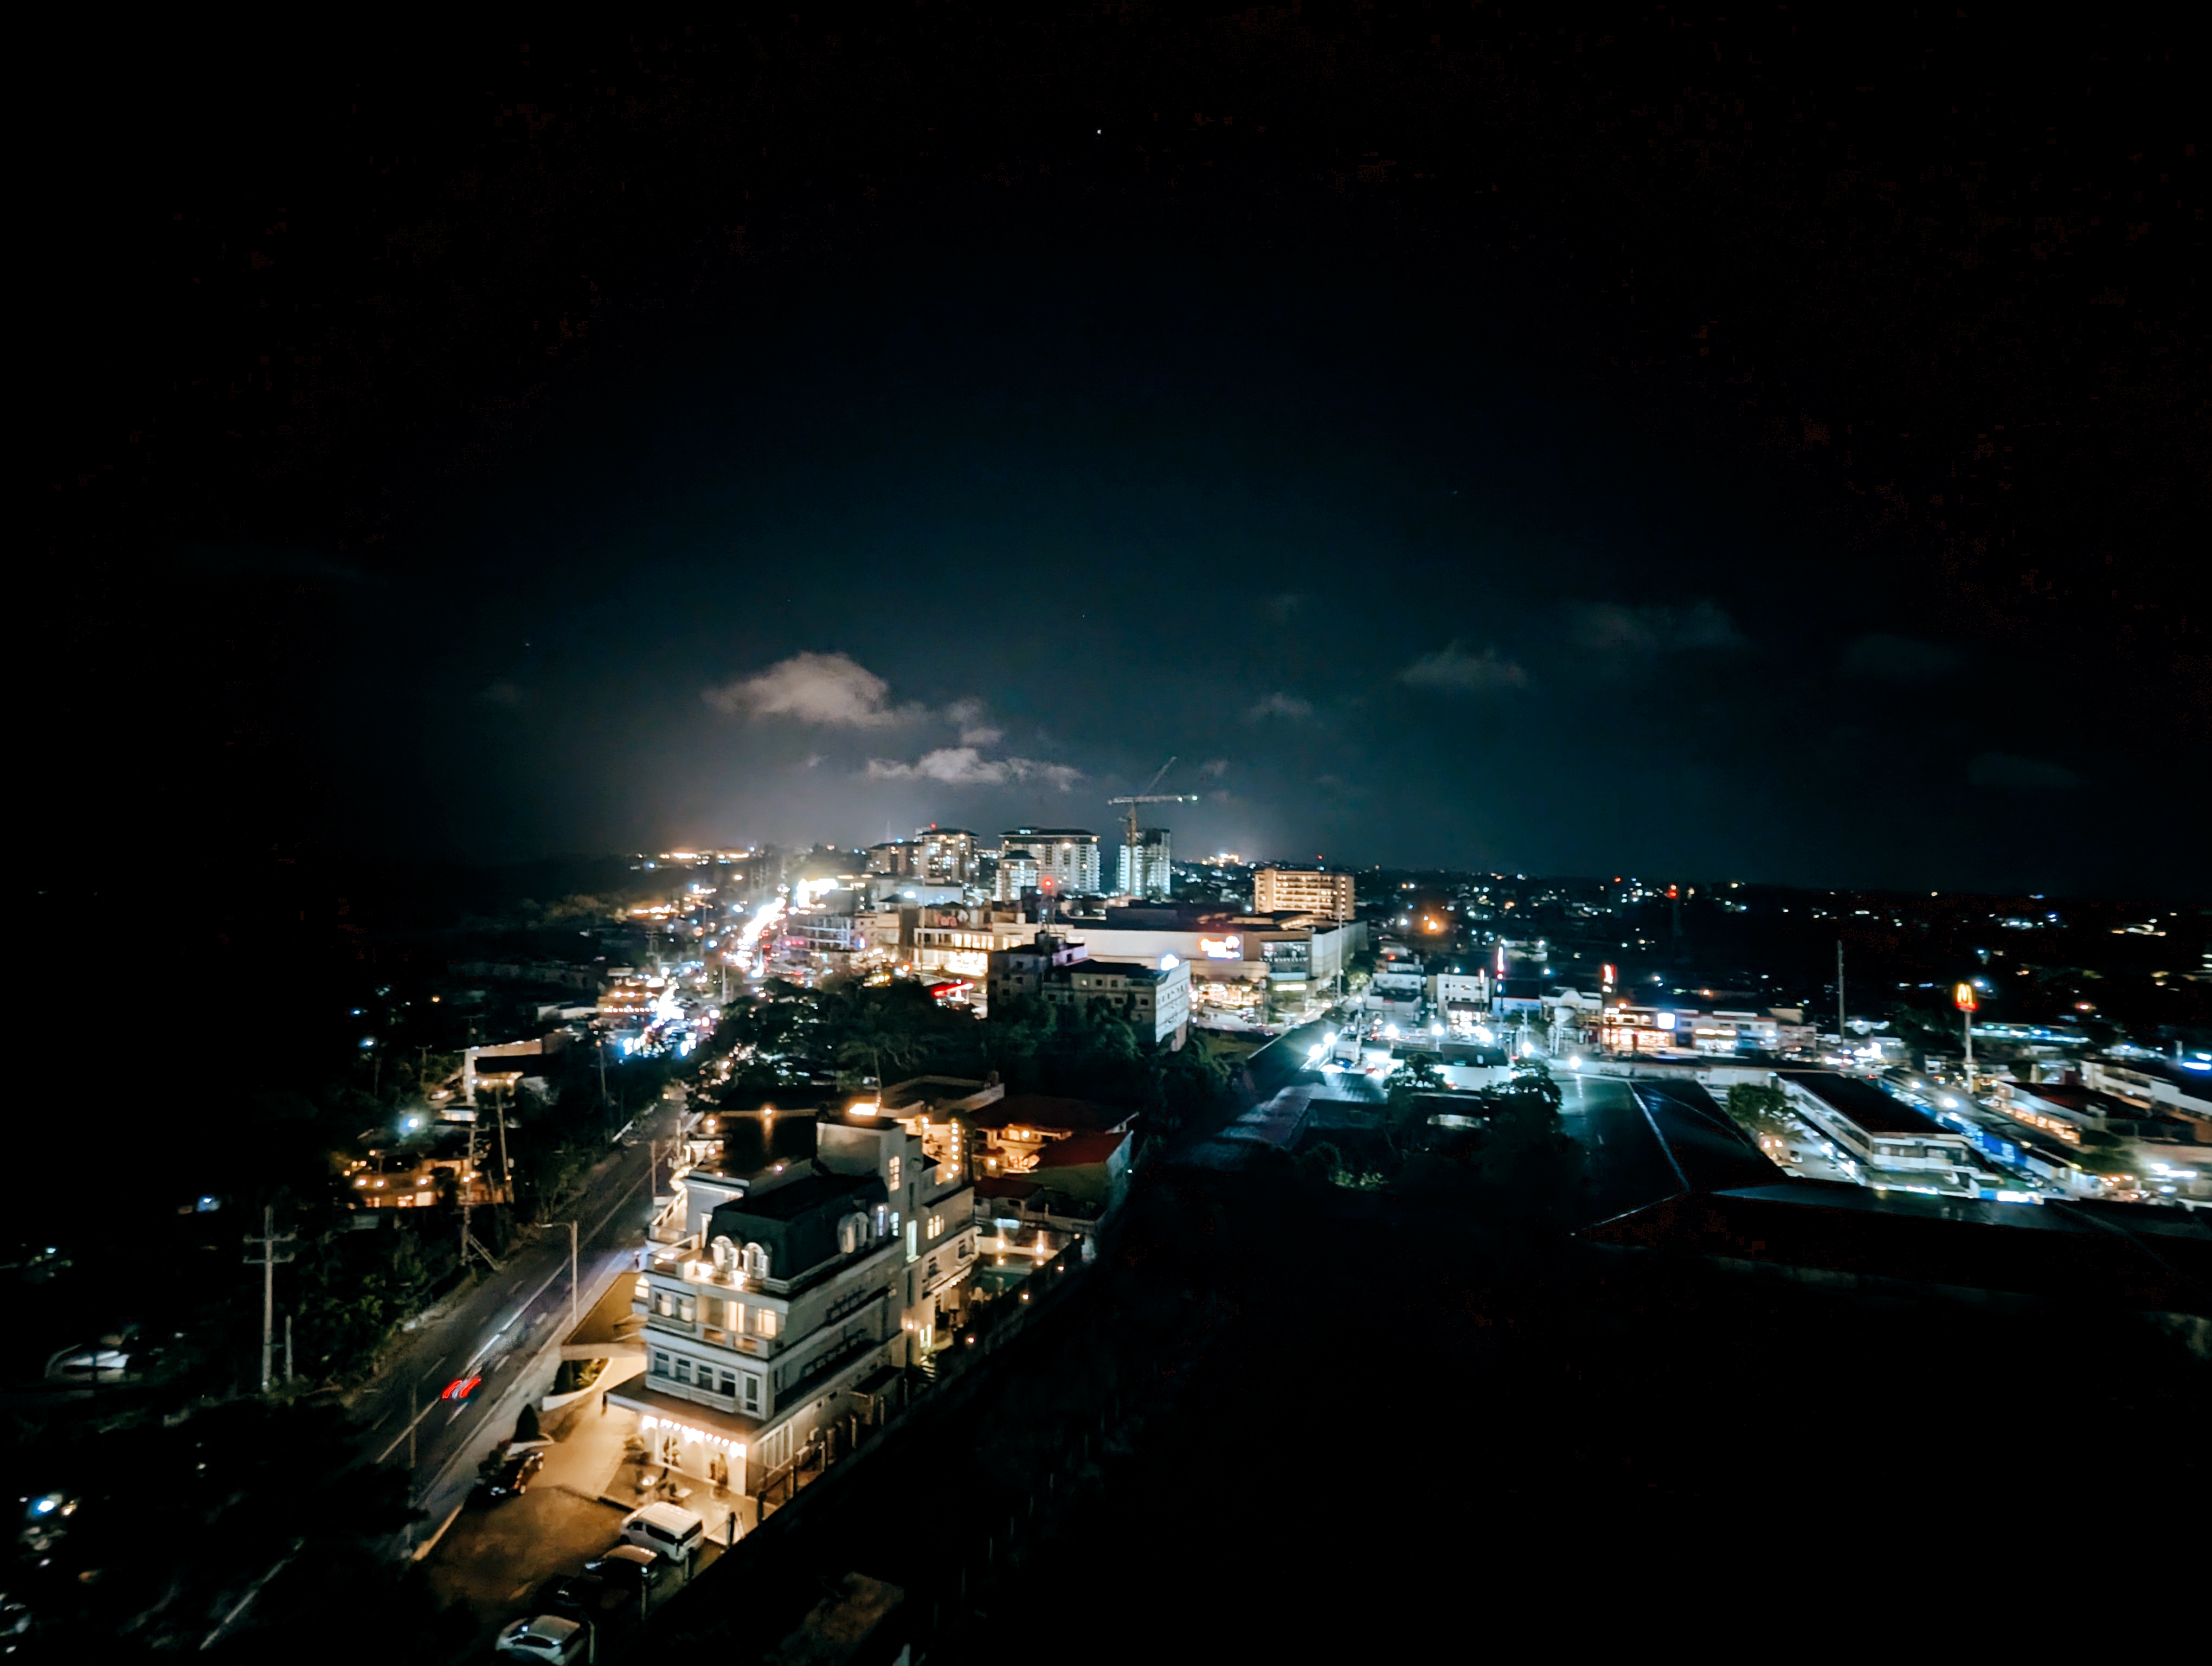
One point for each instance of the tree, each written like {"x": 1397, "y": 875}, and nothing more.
{"x": 1528, "y": 1158}
{"x": 1760, "y": 1110}
{"x": 875, "y": 1034}
{"x": 525, "y": 1426}
{"x": 1405, "y": 1119}
{"x": 1320, "y": 1162}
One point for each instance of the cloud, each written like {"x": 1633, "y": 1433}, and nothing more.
{"x": 1453, "y": 668}
{"x": 831, "y": 689}
{"x": 964, "y": 766}
{"x": 2023, "y": 775}
{"x": 1279, "y": 704}
{"x": 1214, "y": 767}
{"x": 1609, "y": 628}
{"x": 969, "y": 716}
{"x": 1892, "y": 659}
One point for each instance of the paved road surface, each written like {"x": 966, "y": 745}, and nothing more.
{"x": 496, "y": 1331}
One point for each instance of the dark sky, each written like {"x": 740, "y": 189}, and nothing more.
{"x": 1637, "y": 442}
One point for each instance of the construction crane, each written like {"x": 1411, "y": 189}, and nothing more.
{"x": 1148, "y": 796}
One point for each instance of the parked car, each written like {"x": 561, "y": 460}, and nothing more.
{"x": 580, "y": 1595}
{"x": 512, "y": 1474}
{"x": 673, "y": 1531}
{"x": 547, "y": 1637}
{"x": 628, "y": 1565}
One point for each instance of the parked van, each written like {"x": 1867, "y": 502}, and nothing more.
{"x": 674, "y": 1533}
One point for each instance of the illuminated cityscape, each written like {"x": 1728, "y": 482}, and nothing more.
{"x": 1107, "y": 832}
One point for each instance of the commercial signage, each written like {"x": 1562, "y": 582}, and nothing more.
{"x": 1222, "y": 948}
{"x": 1964, "y": 995}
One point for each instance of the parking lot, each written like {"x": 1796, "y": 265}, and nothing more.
{"x": 495, "y": 1559}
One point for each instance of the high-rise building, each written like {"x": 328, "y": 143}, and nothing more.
{"x": 1302, "y": 891}
{"x": 901, "y": 858}
{"x": 945, "y": 856}
{"x": 1147, "y": 868}
{"x": 1067, "y": 857}
{"x": 1017, "y": 872}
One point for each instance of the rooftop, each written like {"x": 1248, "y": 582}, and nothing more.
{"x": 1039, "y": 1111}
{"x": 2128, "y": 1255}
{"x": 1866, "y": 1104}
{"x": 1080, "y": 1150}
{"x": 801, "y": 1195}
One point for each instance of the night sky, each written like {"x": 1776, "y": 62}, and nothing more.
{"x": 1662, "y": 443}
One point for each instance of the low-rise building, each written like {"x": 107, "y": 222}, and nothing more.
{"x": 2183, "y": 1089}
{"x": 1011, "y": 1132}
{"x": 1886, "y": 1140}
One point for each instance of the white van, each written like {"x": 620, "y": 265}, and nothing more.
{"x": 674, "y": 1533}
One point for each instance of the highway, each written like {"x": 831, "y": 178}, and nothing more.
{"x": 496, "y": 1330}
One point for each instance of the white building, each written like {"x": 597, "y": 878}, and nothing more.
{"x": 1302, "y": 891}
{"x": 946, "y": 856}
{"x": 1067, "y": 857}
{"x": 789, "y": 1301}
{"x": 1152, "y": 995}
{"x": 1147, "y": 869}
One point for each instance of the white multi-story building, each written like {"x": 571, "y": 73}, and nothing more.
{"x": 946, "y": 856}
{"x": 1302, "y": 891}
{"x": 1147, "y": 867}
{"x": 794, "y": 1299}
{"x": 1153, "y": 996}
{"x": 1067, "y": 857}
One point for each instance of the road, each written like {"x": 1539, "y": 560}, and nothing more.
{"x": 496, "y": 1331}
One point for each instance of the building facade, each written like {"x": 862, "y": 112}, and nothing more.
{"x": 1154, "y": 997}
{"x": 789, "y": 1301}
{"x": 1302, "y": 891}
{"x": 1147, "y": 868}
{"x": 946, "y": 856}
{"x": 1066, "y": 858}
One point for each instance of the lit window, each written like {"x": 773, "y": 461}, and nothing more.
{"x": 767, "y": 1322}
{"x": 894, "y": 1172}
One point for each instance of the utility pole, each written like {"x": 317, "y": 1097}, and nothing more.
{"x": 274, "y": 1246}
{"x": 571, "y": 1278}
{"x": 469, "y": 1245}
{"x": 288, "y": 1347}
{"x": 505, "y": 1170}
{"x": 1839, "y": 992}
